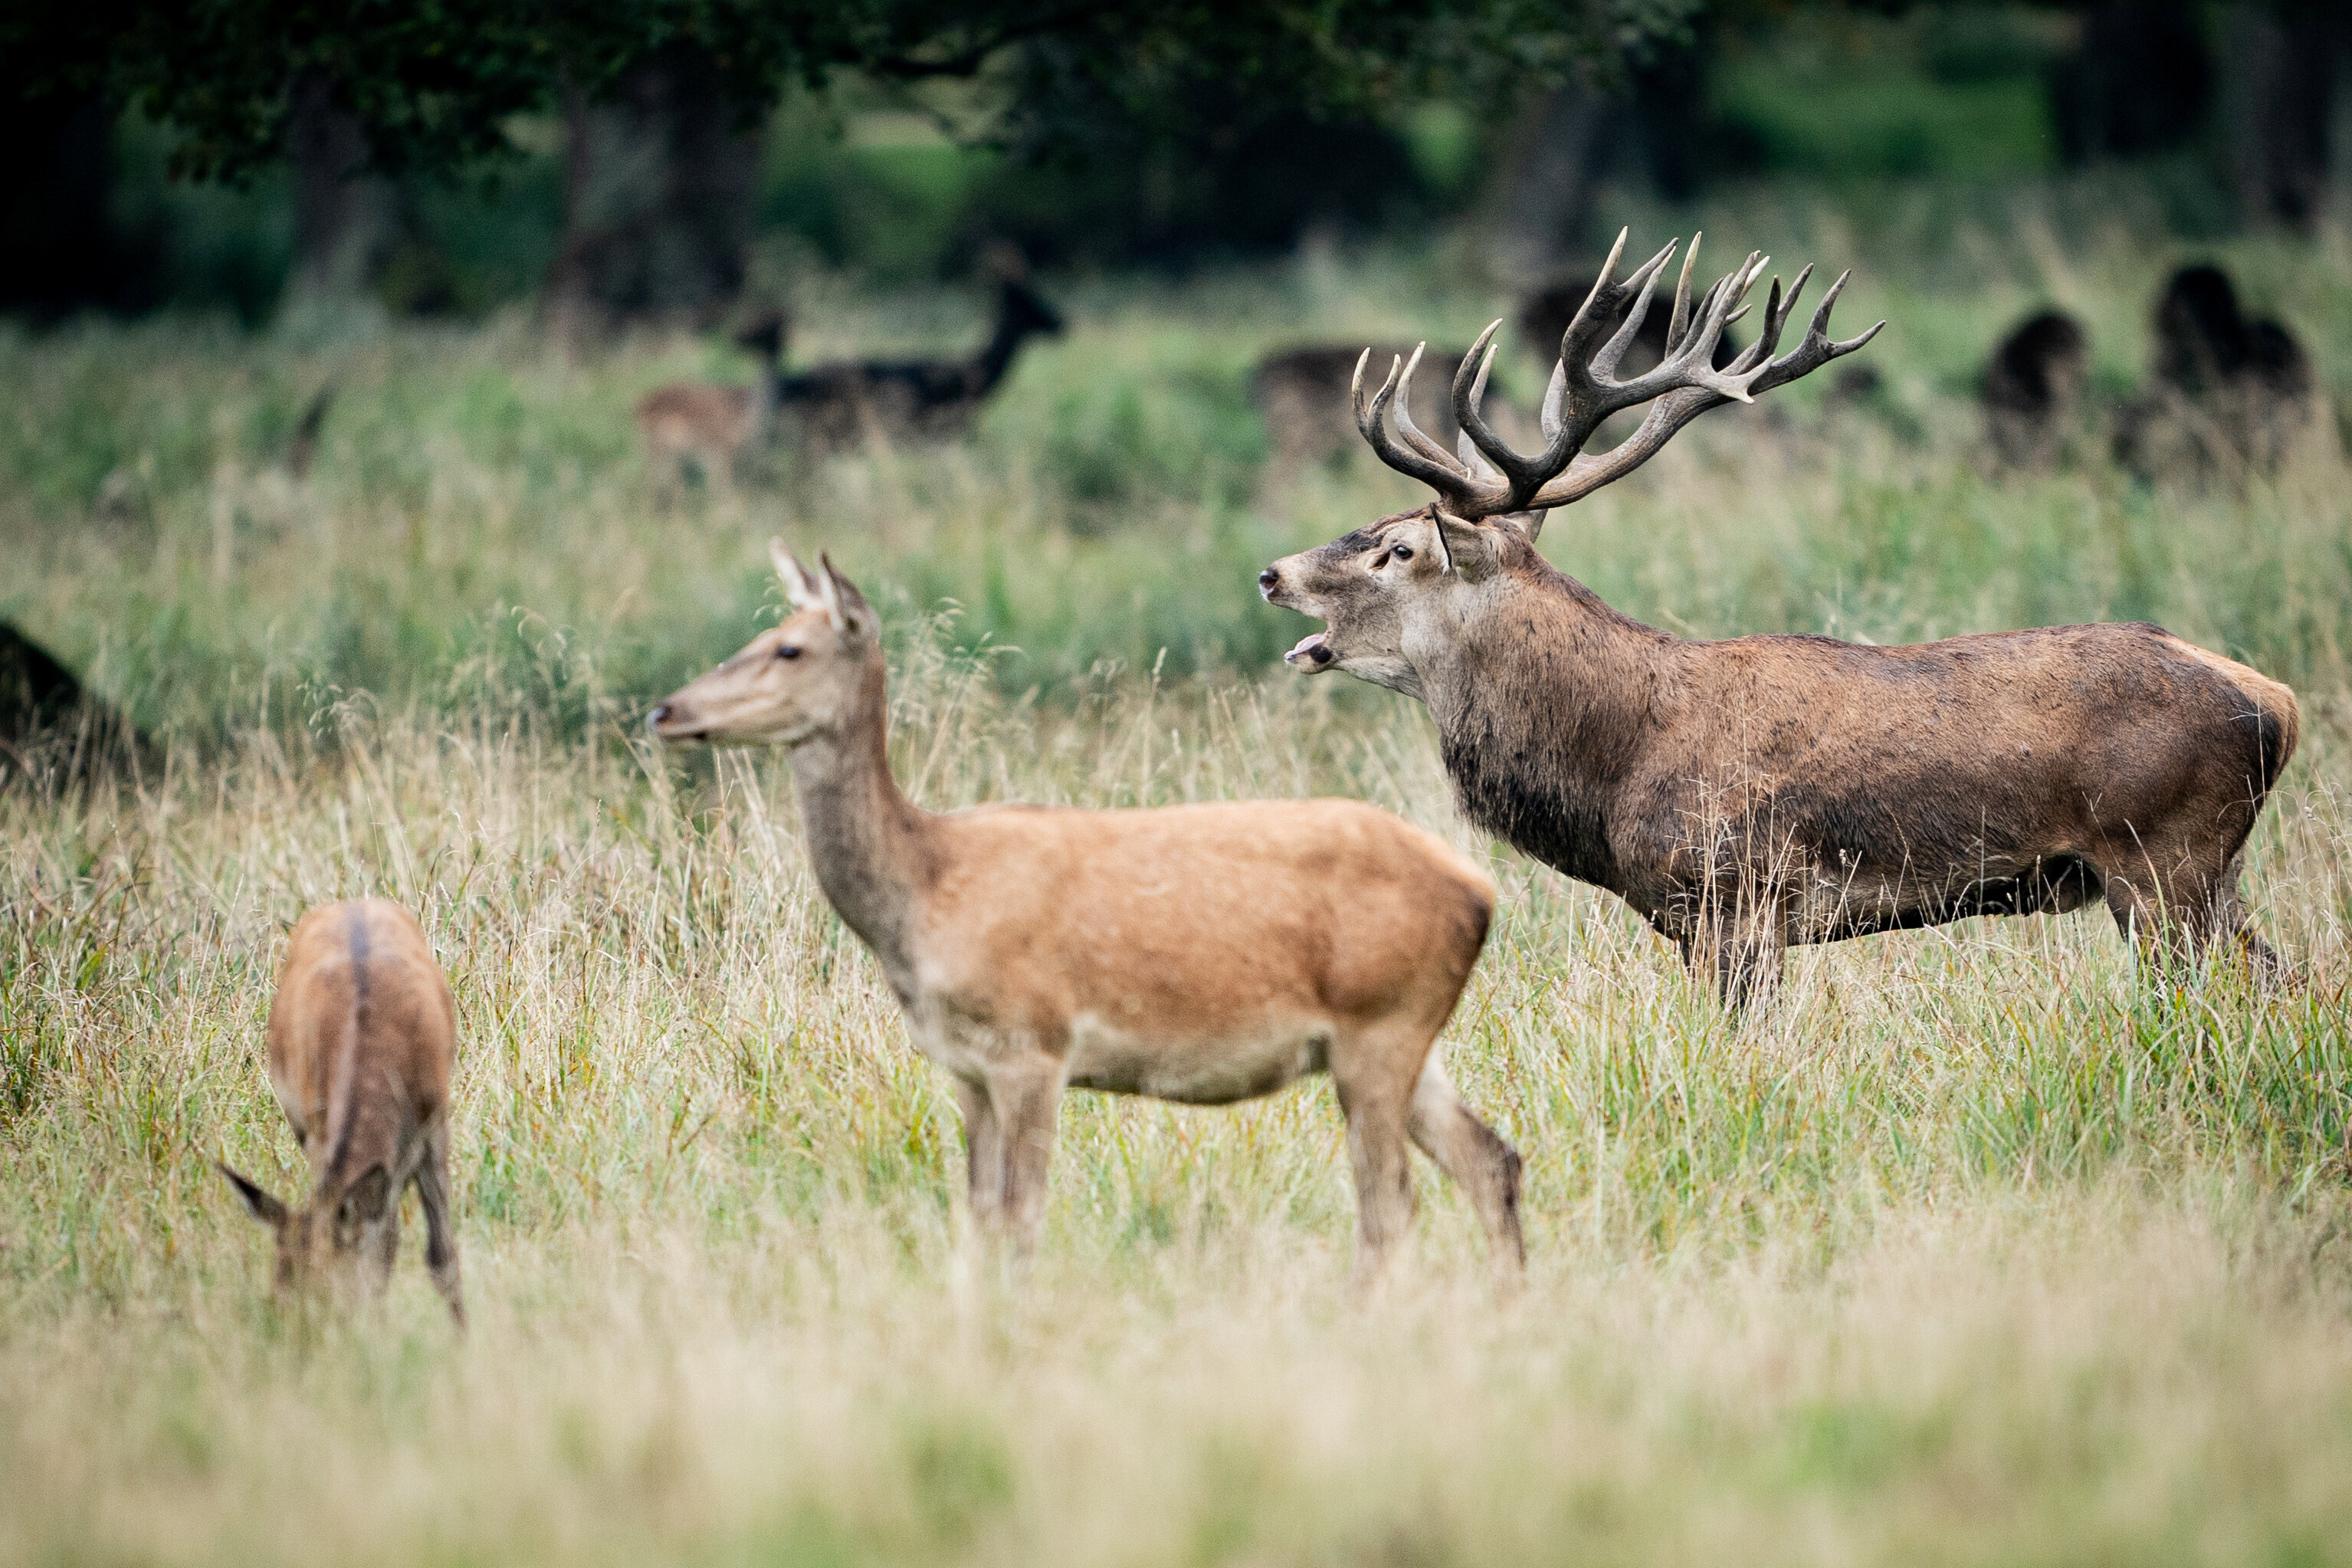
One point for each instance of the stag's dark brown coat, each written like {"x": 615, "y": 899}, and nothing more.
{"x": 1748, "y": 793}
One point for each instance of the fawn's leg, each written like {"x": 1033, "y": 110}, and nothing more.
{"x": 440, "y": 1246}
{"x": 1475, "y": 1156}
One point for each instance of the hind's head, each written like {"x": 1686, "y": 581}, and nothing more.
{"x": 340, "y": 1243}
{"x": 795, "y": 683}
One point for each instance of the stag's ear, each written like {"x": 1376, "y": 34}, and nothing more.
{"x": 1531, "y": 522}
{"x": 260, "y": 1204}
{"x": 1469, "y": 547}
{"x": 803, "y": 589}
{"x": 851, "y": 612}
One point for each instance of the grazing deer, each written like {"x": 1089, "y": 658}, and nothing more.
{"x": 1301, "y": 395}
{"x": 835, "y": 408}
{"x": 1200, "y": 954}
{"x": 715, "y": 424}
{"x": 1745, "y": 794}
{"x": 2033, "y": 387}
{"x": 362, "y": 1036}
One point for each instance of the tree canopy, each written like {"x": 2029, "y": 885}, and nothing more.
{"x": 434, "y": 83}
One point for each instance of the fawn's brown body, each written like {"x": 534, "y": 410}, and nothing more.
{"x": 363, "y": 1040}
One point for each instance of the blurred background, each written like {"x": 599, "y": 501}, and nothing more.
{"x": 337, "y": 336}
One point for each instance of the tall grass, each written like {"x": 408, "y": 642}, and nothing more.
{"x": 1977, "y": 1246}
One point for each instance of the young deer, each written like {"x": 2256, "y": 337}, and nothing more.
{"x": 1202, "y": 953}
{"x": 362, "y": 1036}
{"x": 715, "y": 424}
{"x": 1748, "y": 793}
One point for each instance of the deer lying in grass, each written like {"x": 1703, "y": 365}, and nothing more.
{"x": 1766, "y": 790}
{"x": 714, "y": 426}
{"x": 362, "y": 1036}
{"x": 1202, "y": 953}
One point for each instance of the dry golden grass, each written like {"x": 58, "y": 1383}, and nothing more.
{"x": 1975, "y": 1247}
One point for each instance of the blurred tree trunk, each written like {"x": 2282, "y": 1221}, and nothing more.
{"x": 58, "y": 250}
{"x": 1549, "y": 180}
{"x": 345, "y": 218}
{"x": 2280, "y": 68}
{"x": 2139, "y": 80}
{"x": 657, "y": 196}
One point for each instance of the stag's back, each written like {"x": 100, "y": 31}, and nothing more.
{"x": 362, "y": 1034}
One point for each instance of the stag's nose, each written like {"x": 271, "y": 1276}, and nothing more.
{"x": 1268, "y": 579}
{"x": 653, "y": 720}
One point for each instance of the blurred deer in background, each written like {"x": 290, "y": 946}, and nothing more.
{"x": 363, "y": 1039}
{"x": 1748, "y": 793}
{"x": 2032, "y": 387}
{"x": 1200, "y": 954}
{"x": 1301, "y": 395}
{"x": 714, "y": 426}
{"x": 2226, "y": 394}
{"x": 836, "y": 407}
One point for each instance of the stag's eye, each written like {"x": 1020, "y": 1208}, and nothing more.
{"x": 787, "y": 650}
{"x": 1404, "y": 552}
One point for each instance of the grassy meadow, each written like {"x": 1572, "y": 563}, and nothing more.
{"x": 1975, "y": 1247}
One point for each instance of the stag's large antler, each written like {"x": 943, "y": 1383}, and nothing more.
{"x": 1485, "y": 477}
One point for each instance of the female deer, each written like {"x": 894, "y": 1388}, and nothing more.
{"x": 1202, "y": 953}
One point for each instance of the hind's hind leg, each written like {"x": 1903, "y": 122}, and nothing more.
{"x": 1475, "y": 1155}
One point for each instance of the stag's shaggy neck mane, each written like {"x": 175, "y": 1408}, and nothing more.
{"x": 1538, "y": 727}
{"x": 870, "y": 844}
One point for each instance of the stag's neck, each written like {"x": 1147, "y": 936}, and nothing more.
{"x": 1543, "y": 702}
{"x": 868, "y": 842}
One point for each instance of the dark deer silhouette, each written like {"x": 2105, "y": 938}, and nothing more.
{"x": 836, "y": 406}
{"x": 2226, "y": 394}
{"x": 1748, "y": 793}
{"x": 2033, "y": 387}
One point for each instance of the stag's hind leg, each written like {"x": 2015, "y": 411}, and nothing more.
{"x": 1475, "y": 1156}
{"x": 2173, "y": 904}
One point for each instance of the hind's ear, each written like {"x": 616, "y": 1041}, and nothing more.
{"x": 261, "y": 1205}
{"x": 852, "y": 614}
{"x": 368, "y": 1197}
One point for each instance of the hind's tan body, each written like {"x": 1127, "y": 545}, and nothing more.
{"x": 1204, "y": 954}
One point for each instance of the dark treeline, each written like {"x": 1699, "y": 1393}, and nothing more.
{"x": 654, "y": 169}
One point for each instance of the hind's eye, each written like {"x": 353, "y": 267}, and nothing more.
{"x": 1404, "y": 552}
{"x": 788, "y": 651}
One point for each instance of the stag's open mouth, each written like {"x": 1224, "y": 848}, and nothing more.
{"x": 1313, "y": 652}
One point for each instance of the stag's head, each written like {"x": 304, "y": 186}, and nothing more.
{"x": 339, "y": 1242}
{"x": 1397, "y": 594}
{"x": 791, "y": 683}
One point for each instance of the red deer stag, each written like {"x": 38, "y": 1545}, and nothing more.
{"x": 1203, "y": 954}
{"x": 1750, "y": 793}
{"x": 362, "y": 1036}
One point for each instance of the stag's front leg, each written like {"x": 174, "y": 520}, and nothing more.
{"x": 1740, "y": 952}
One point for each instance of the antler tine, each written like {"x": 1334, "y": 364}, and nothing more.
{"x": 1604, "y": 364}
{"x": 1469, "y": 390}
{"x": 1818, "y": 348}
{"x": 1679, "y": 322}
{"x": 1370, "y": 419}
{"x": 1592, "y": 295}
{"x": 1555, "y": 402}
{"x": 1405, "y": 426}
{"x": 1474, "y": 461}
